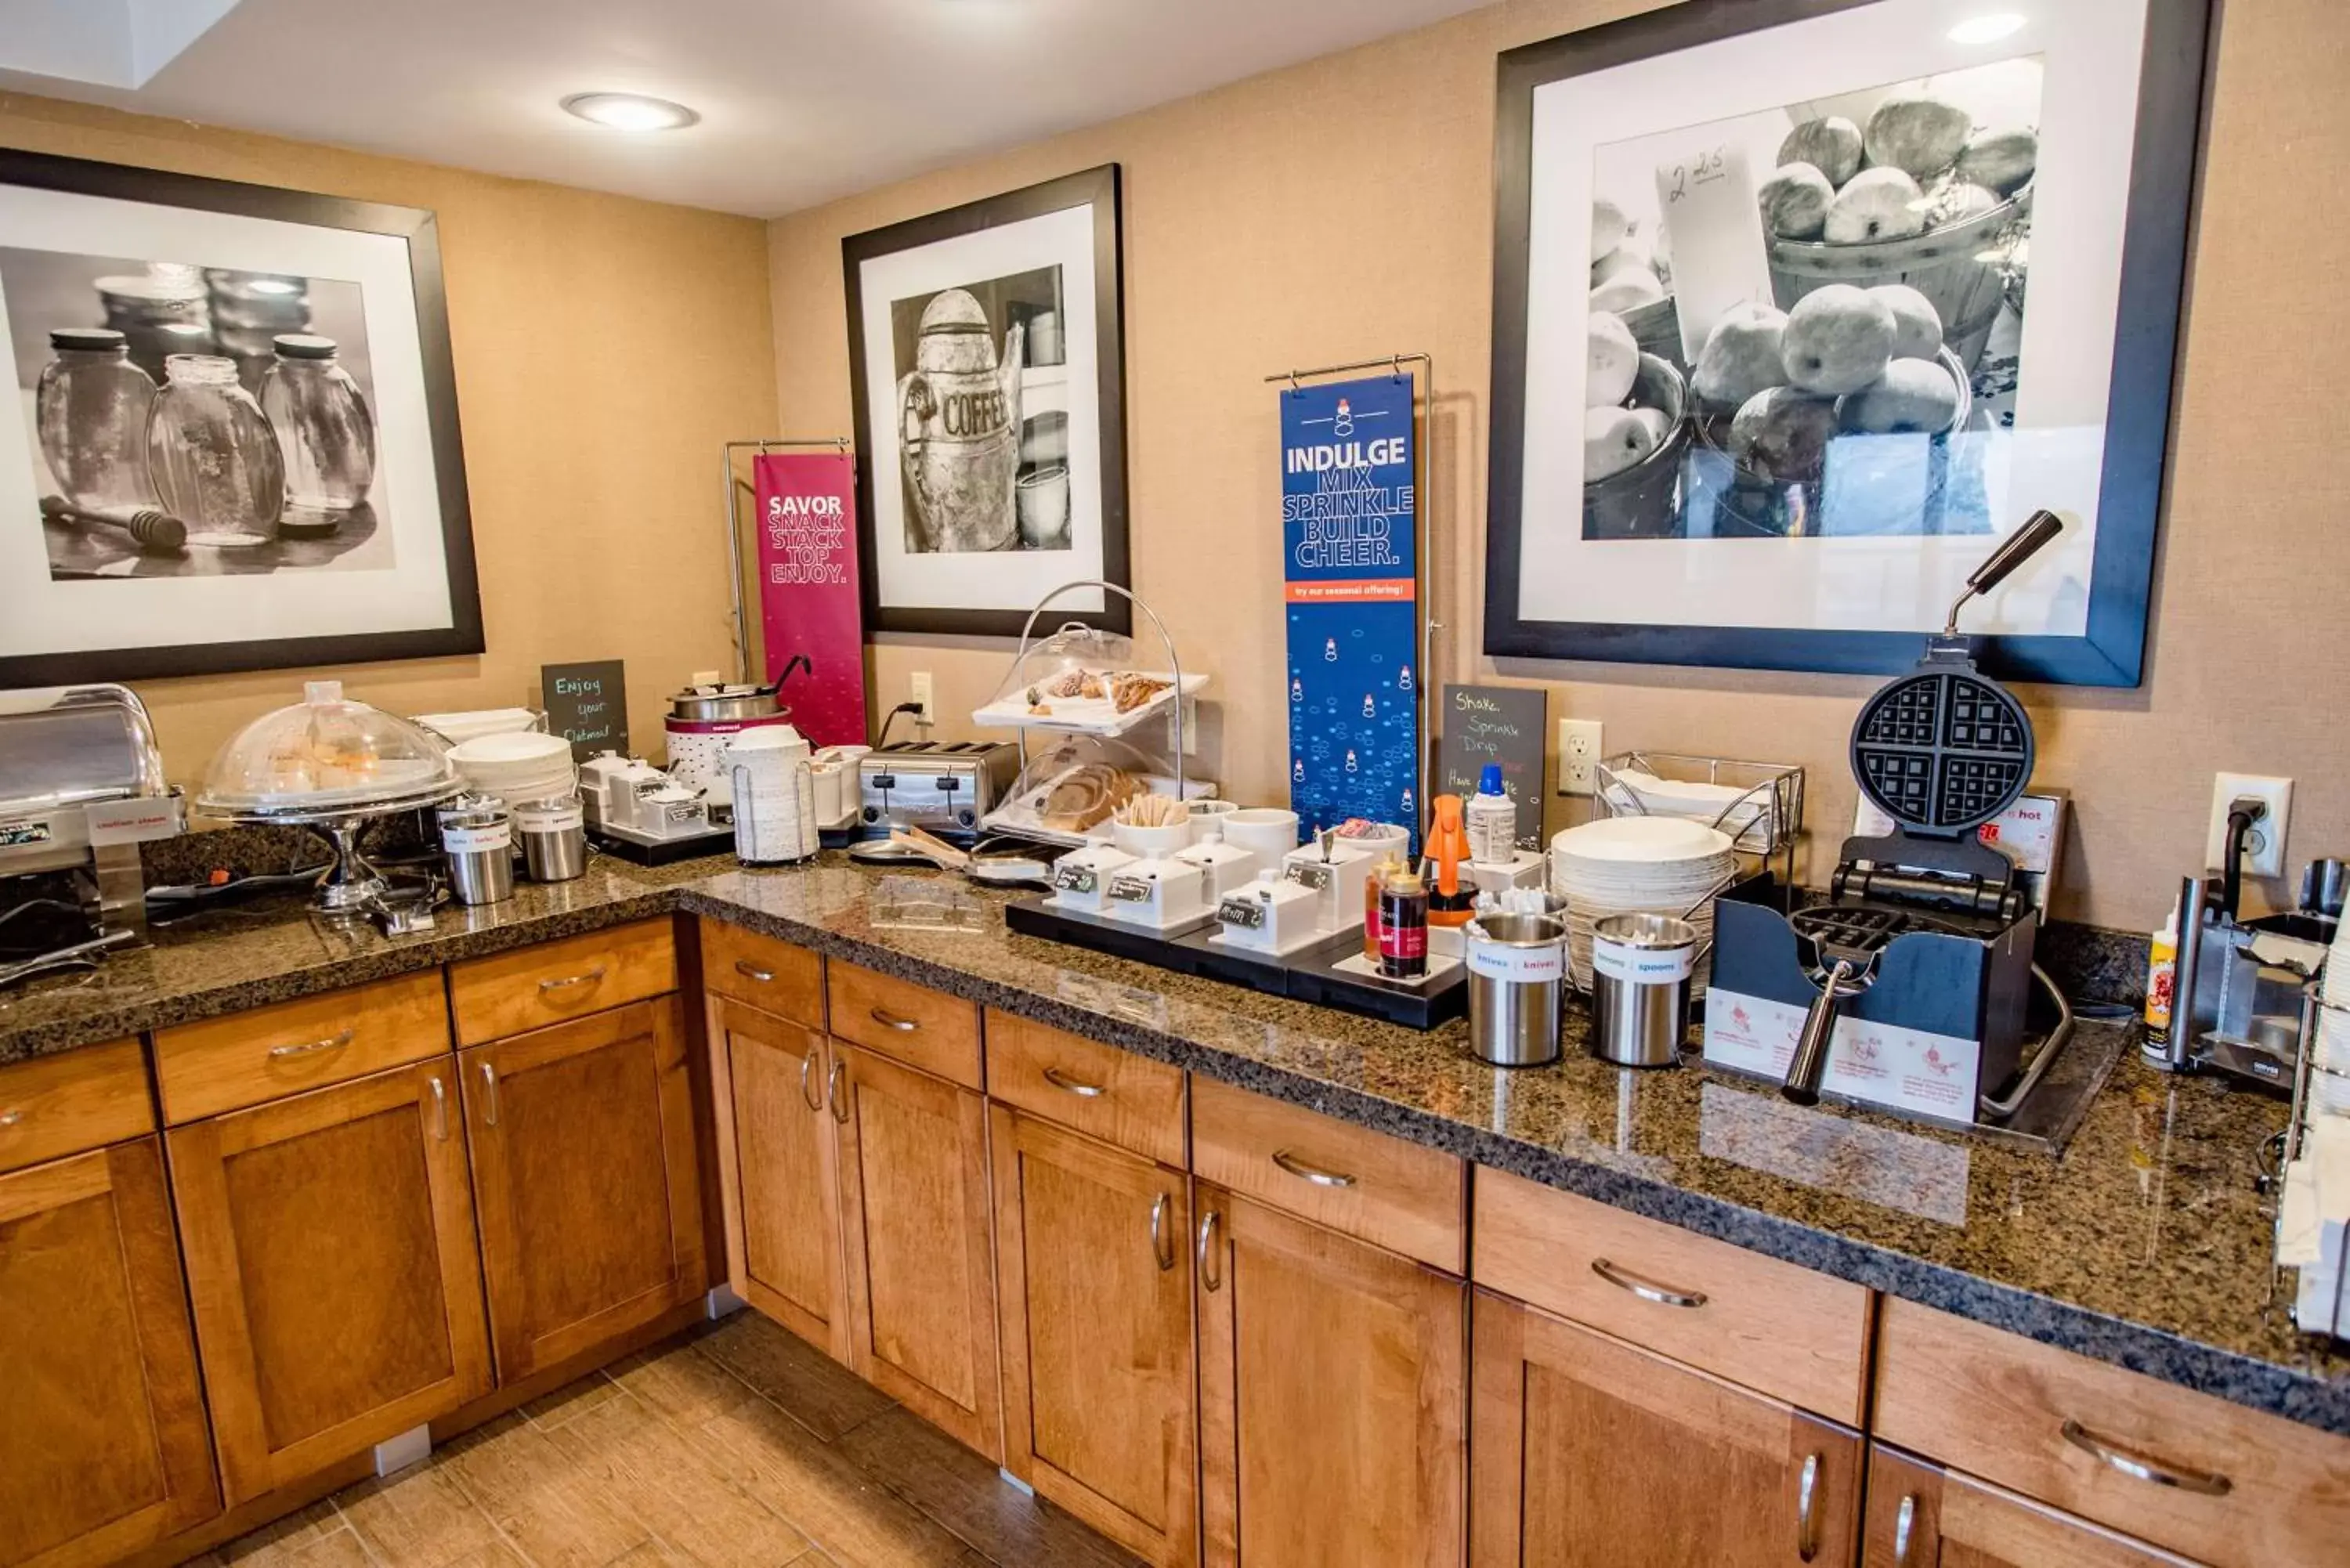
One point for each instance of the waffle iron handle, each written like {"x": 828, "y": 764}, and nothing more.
{"x": 2018, "y": 547}
{"x": 1810, "y": 1062}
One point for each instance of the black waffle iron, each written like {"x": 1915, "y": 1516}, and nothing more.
{"x": 1924, "y": 945}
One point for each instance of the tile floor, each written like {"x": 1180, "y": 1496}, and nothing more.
{"x": 737, "y": 1447}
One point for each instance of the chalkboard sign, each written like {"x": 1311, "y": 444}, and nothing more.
{"x": 586, "y": 704}
{"x": 1502, "y": 724}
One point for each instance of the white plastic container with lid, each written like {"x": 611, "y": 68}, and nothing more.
{"x": 1491, "y": 817}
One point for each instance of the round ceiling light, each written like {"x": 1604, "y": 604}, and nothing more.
{"x": 1988, "y": 29}
{"x": 629, "y": 111}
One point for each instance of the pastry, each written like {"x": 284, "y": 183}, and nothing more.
{"x": 1084, "y": 796}
{"x": 1069, "y": 684}
{"x": 1128, "y": 693}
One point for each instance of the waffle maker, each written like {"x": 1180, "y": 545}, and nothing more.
{"x": 1908, "y": 987}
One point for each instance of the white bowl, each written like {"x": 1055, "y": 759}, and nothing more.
{"x": 1150, "y": 843}
{"x": 1266, "y": 832}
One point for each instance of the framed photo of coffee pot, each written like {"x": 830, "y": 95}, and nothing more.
{"x": 987, "y": 364}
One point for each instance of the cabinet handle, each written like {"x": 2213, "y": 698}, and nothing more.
{"x": 591, "y": 978}
{"x": 1807, "y": 1510}
{"x": 1904, "y": 1522}
{"x": 489, "y": 1095}
{"x": 1077, "y": 1086}
{"x": 889, "y": 1020}
{"x": 750, "y": 971}
{"x": 440, "y": 1109}
{"x": 832, "y": 1093}
{"x": 1211, "y": 1279}
{"x": 2202, "y": 1483}
{"x": 808, "y": 1091}
{"x": 1646, "y": 1289}
{"x": 1160, "y": 1243}
{"x": 310, "y": 1048}
{"x": 1312, "y": 1173}
{"x": 12, "y": 1116}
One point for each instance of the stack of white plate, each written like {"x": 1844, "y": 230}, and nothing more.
{"x": 523, "y": 767}
{"x": 1648, "y": 865}
{"x": 458, "y": 728}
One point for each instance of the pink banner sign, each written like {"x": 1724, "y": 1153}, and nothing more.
{"x": 809, "y": 602}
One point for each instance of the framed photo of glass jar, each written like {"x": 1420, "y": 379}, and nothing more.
{"x": 238, "y": 445}
{"x": 987, "y": 366}
{"x": 1801, "y": 305}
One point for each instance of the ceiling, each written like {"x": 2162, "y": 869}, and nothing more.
{"x": 802, "y": 101}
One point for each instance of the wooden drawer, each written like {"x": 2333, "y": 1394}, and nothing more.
{"x": 1113, "y": 1095}
{"x": 2062, "y": 1429}
{"x": 51, "y": 1107}
{"x": 918, "y": 1026}
{"x": 1773, "y": 1327}
{"x": 247, "y": 1058}
{"x": 1385, "y": 1191}
{"x": 554, "y": 982}
{"x": 773, "y": 976}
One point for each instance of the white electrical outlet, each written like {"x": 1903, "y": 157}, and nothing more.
{"x": 2264, "y": 857}
{"x": 918, "y": 685}
{"x": 1578, "y": 755}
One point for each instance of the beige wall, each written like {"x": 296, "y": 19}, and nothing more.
{"x": 1250, "y": 246}
{"x": 604, "y": 348}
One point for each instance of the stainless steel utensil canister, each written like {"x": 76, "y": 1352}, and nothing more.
{"x": 477, "y": 841}
{"x": 1517, "y": 983}
{"x": 1640, "y": 967}
{"x": 554, "y": 840}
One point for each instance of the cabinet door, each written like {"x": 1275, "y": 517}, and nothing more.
{"x": 921, "y": 1283}
{"x": 332, "y": 1263}
{"x": 784, "y": 1182}
{"x": 102, "y": 1451}
{"x": 1591, "y": 1453}
{"x": 1920, "y": 1516}
{"x": 1334, "y": 1392}
{"x": 589, "y": 1188}
{"x": 1091, "y": 1243}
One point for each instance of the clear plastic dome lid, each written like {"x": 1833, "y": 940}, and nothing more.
{"x": 1086, "y": 680}
{"x": 1069, "y": 788}
{"x": 326, "y": 753}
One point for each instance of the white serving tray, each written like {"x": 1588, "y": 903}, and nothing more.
{"x": 1086, "y": 715}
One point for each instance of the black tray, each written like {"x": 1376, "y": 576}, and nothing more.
{"x": 1308, "y": 975}
{"x": 666, "y": 851}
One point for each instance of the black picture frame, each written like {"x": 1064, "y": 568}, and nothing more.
{"x": 1101, "y": 189}
{"x": 2156, "y": 228}
{"x": 420, "y": 230}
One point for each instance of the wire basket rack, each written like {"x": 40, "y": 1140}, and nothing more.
{"x": 1763, "y": 816}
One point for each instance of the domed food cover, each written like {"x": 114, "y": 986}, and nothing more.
{"x": 323, "y": 755}
{"x": 1067, "y": 791}
{"x": 1083, "y": 679}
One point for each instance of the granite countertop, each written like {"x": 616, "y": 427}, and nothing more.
{"x": 2145, "y": 1245}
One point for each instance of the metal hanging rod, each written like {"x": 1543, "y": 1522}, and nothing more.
{"x": 1393, "y": 361}
{"x": 735, "y": 528}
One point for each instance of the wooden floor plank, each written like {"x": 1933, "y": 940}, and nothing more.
{"x": 692, "y": 1512}
{"x": 683, "y": 1387}
{"x": 541, "y": 1501}
{"x": 575, "y": 1397}
{"x": 276, "y": 1544}
{"x": 814, "y": 1389}
{"x": 419, "y": 1517}
{"x": 853, "y": 1517}
{"x": 970, "y": 1496}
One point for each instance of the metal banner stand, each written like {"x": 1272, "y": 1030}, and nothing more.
{"x": 1424, "y": 550}
{"x": 735, "y": 528}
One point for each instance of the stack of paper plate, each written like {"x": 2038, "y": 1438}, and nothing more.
{"x": 1623, "y": 865}
{"x": 524, "y": 767}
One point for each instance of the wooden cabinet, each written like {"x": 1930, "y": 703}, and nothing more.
{"x": 1591, "y": 1453}
{"x": 51, "y": 1107}
{"x": 1112, "y": 1094}
{"x": 102, "y": 1448}
{"x": 554, "y": 982}
{"x": 249, "y": 1058}
{"x": 915, "y": 1235}
{"x": 588, "y": 1183}
{"x": 775, "y": 977}
{"x": 909, "y": 1022}
{"x": 781, "y": 1171}
{"x": 1921, "y": 1516}
{"x": 1333, "y": 1394}
{"x": 331, "y": 1262}
{"x": 1092, "y": 1249}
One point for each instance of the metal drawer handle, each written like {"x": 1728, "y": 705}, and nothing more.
{"x": 592, "y": 977}
{"x": 1904, "y": 1524}
{"x": 12, "y": 1116}
{"x": 750, "y": 971}
{"x": 2202, "y": 1483}
{"x": 489, "y": 1095}
{"x": 310, "y": 1048}
{"x": 1077, "y": 1086}
{"x": 1807, "y": 1510}
{"x": 440, "y": 1110}
{"x": 808, "y": 1091}
{"x": 832, "y": 1093}
{"x": 1646, "y": 1289}
{"x": 1211, "y": 1277}
{"x": 1312, "y": 1173}
{"x": 1160, "y": 1243}
{"x": 891, "y": 1021}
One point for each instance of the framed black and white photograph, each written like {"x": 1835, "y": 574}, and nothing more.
{"x": 1801, "y": 305}
{"x": 987, "y": 366}
{"x": 238, "y": 445}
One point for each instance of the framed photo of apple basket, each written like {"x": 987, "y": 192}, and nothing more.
{"x": 986, "y": 361}
{"x": 236, "y": 438}
{"x": 1801, "y": 305}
